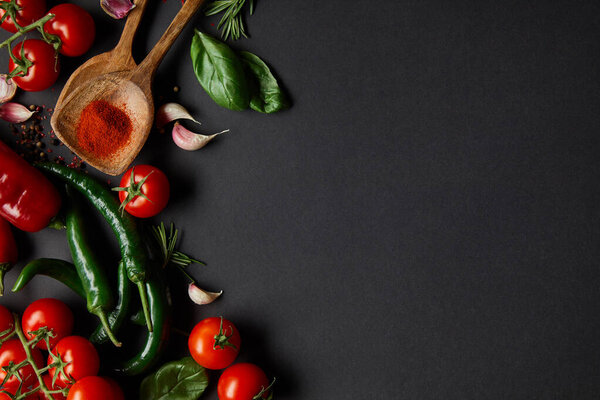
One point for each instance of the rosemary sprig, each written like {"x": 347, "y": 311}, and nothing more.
{"x": 231, "y": 23}
{"x": 167, "y": 245}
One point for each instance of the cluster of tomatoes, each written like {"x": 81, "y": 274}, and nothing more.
{"x": 214, "y": 343}
{"x": 71, "y": 24}
{"x": 73, "y": 362}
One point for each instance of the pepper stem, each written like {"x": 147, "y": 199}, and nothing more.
{"x": 145, "y": 306}
{"x": 104, "y": 321}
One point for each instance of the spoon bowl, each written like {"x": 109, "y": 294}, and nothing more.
{"x": 117, "y": 89}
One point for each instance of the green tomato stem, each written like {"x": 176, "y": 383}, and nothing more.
{"x": 31, "y": 360}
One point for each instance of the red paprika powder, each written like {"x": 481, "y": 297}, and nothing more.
{"x": 103, "y": 128}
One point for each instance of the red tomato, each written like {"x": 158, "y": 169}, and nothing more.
{"x": 44, "y": 71}
{"x": 48, "y": 382}
{"x": 12, "y": 350}
{"x": 214, "y": 343}
{"x": 243, "y": 381}
{"x": 74, "y": 26}
{"x": 7, "y": 321}
{"x": 30, "y": 11}
{"x": 81, "y": 358}
{"x": 117, "y": 392}
{"x": 155, "y": 188}
{"x": 51, "y": 313}
{"x": 91, "y": 388}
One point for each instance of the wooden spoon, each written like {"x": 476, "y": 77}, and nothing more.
{"x": 129, "y": 89}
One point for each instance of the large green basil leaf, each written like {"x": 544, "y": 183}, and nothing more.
{"x": 220, "y": 72}
{"x": 176, "y": 380}
{"x": 267, "y": 96}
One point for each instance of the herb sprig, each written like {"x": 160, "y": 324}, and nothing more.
{"x": 231, "y": 23}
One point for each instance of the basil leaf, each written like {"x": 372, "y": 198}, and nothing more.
{"x": 176, "y": 380}
{"x": 267, "y": 96}
{"x": 220, "y": 72}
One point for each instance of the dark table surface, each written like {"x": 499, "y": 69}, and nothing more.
{"x": 423, "y": 223}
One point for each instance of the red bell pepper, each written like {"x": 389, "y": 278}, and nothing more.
{"x": 8, "y": 251}
{"x": 27, "y": 198}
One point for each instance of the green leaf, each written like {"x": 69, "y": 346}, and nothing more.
{"x": 220, "y": 72}
{"x": 267, "y": 96}
{"x": 176, "y": 380}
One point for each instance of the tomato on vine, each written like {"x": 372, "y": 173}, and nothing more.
{"x": 93, "y": 388}
{"x": 144, "y": 191}
{"x": 74, "y": 26}
{"x": 214, "y": 343}
{"x": 36, "y": 66}
{"x": 12, "y": 350}
{"x": 78, "y": 357}
{"x": 26, "y": 11}
{"x": 50, "y": 313}
{"x": 244, "y": 381}
{"x": 48, "y": 382}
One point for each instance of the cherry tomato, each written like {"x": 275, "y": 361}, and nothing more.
{"x": 44, "y": 71}
{"x": 51, "y": 313}
{"x": 48, "y": 382}
{"x": 91, "y": 388}
{"x": 156, "y": 188}
{"x": 74, "y": 26}
{"x": 12, "y": 350}
{"x": 214, "y": 343}
{"x": 7, "y": 321}
{"x": 81, "y": 358}
{"x": 30, "y": 11}
{"x": 243, "y": 381}
{"x": 117, "y": 392}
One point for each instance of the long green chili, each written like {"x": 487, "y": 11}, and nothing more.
{"x": 133, "y": 252}
{"x": 60, "y": 270}
{"x": 119, "y": 314}
{"x": 90, "y": 271}
{"x": 155, "y": 341}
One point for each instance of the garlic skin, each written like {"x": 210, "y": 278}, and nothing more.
{"x": 169, "y": 112}
{"x": 189, "y": 140}
{"x": 200, "y": 296}
{"x": 7, "y": 88}
{"x": 117, "y": 9}
{"x": 15, "y": 113}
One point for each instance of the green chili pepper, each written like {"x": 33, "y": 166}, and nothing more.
{"x": 119, "y": 314}
{"x": 155, "y": 341}
{"x": 133, "y": 251}
{"x": 60, "y": 270}
{"x": 91, "y": 274}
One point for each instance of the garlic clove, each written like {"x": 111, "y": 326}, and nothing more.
{"x": 200, "y": 296}
{"x": 117, "y": 9}
{"x": 189, "y": 140}
{"x": 7, "y": 88}
{"x": 171, "y": 112}
{"x": 15, "y": 112}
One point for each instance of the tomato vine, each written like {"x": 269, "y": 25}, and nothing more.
{"x": 12, "y": 369}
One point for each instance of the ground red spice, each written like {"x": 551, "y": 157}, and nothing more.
{"x": 103, "y": 128}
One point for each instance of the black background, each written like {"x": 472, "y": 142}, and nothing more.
{"x": 423, "y": 223}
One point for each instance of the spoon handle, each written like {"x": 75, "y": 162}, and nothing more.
{"x": 123, "y": 48}
{"x": 147, "y": 67}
